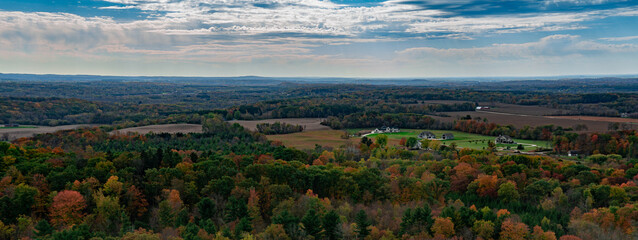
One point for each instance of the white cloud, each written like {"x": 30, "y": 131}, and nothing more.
{"x": 554, "y": 46}
{"x": 620, "y": 39}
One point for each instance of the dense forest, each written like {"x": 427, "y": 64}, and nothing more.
{"x": 142, "y": 103}
{"x": 231, "y": 183}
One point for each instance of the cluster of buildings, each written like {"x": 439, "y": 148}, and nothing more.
{"x": 431, "y": 136}
{"x": 385, "y": 129}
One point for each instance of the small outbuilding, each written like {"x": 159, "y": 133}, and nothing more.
{"x": 573, "y": 153}
{"x": 447, "y": 136}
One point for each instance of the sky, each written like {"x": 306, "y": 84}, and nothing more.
{"x": 320, "y": 38}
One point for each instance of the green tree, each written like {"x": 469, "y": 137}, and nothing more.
{"x": 362, "y": 224}
{"x": 166, "y": 215}
{"x": 244, "y": 225}
{"x": 311, "y": 223}
{"x": 507, "y": 192}
{"x": 235, "y": 209}
{"x": 190, "y": 232}
{"x": 411, "y": 142}
{"x": 289, "y": 221}
{"x": 24, "y": 198}
{"x": 206, "y": 208}
{"x": 382, "y": 140}
{"x": 331, "y": 223}
{"x": 43, "y": 228}
{"x": 416, "y": 220}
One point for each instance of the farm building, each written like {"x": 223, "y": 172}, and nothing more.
{"x": 427, "y": 135}
{"x": 447, "y": 136}
{"x": 385, "y": 129}
{"x": 504, "y": 139}
{"x": 573, "y": 153}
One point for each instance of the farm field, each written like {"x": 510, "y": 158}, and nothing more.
{"x": 519, "y": 120}
{"x": 308, "y": 139}
{"x": 465, "y": 140}
{"x": 598, "y": 119}
{"x": 521, "y": 109}
{"x": 13, "y": 133}
{"x": 310, "y": 124}
{"x": 162, "y": 128}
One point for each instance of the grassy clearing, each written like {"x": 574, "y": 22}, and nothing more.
{"x": 308, "y": 139}
{"x": 464, "y": 140}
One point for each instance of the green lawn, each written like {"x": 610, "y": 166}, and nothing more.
{"x": 462, "y": 139}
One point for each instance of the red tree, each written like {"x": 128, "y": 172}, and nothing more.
{"x": 67, "y": 207}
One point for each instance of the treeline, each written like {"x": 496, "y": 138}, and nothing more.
{"x": 373, "y": 119}
{"x": 624, "y": 143}
{"x": 56, "y": 111}
{"x": 278, "y": 128}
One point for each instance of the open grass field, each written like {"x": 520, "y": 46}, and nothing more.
{"x": 465, "y": 140}
{"x": 29, "y": 131}
{"x": 310, "y": 124}
{"x": 308, "y": 139}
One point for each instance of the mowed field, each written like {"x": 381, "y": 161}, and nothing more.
{"x": 463, "y": 140}
{"x": 308, "y": 139}
{"x": 29, "y": 131}
{"x": 310, "y": 124}
{"x": 162, "y": 128}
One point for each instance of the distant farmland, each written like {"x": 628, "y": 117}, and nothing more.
{"x": 599, "y": 119}
{"x": 308, "y": 139}
{"x": 13, "y": 133}
{"x": 520, "y": 120}
{"x": 465, "y": 140}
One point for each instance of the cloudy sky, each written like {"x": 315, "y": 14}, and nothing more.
{"x": 338, "y": 38}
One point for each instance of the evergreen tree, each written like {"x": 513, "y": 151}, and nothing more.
{"x": 206, "y": 208}
{"x": 244, "y": 225}
{"x": 312, "y": 223}
{"x": 362, "y": 224}
{"x": 43, "y": 228}
{"x": 290, "y": 222}
{"x": 331, "y": 225}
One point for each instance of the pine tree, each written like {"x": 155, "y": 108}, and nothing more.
{"x": 311, "y": 223}
{"x": 331, "y": 225}
{"x": 43, "y": 228}
{"x": 206, "y": 208}
{"x": 362, "y": 224}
